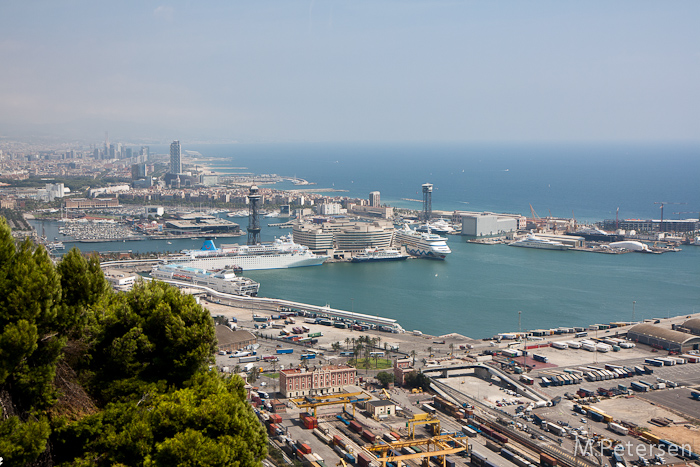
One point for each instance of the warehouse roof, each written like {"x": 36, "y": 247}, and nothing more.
{"x": 658, "y": 332}
{"x": 693, "y": 325}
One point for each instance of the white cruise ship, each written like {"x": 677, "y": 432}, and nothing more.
{"x": 422, "y": 244}
{"x": 532, "y": 241}
{"x": 281, "y": 254}
{"x": 224, "y": 281}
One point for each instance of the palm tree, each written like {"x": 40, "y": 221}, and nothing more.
{"x": 430, "y": 351}
{"x": 413, "y": 354}
{"x": 347, "y": 343}
{"x": 452, "y": 348}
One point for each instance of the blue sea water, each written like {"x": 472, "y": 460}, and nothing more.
{"x": 479, "y": 289}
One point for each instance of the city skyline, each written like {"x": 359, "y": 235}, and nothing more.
{"x": 350, "y": 71}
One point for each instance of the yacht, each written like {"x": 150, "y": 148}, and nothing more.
{"x": 422, "y": 244}
{"x": 532, "y": 241}
{"x": 374, "y": 254}
{"x": 281, "y": 254}
{"x": 438, "y": 226}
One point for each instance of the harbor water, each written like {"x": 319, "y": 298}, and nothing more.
{"x": 479, "y": 290}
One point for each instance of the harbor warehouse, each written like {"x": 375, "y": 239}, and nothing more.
{"x": 667, "y": 339}
{"x": 486, "y": 224}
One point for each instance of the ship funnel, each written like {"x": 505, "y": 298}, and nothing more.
{"x": 209, "y": 245}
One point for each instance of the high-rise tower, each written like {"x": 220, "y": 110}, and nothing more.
{"x": 427, "y": 201}
{"x": 374, "y": 198}
{"x": 175, "y": 158}
{"x": 253, "y": 217}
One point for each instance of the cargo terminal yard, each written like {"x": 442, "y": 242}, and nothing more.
{"x": 516, "y": 418}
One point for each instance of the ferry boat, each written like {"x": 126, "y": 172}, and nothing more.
{"x": 422, "y": 244}
{"x": 373, "y": 254}
{"x": 532, "y": 241}
{"x": 224, "y": 281}
{"x": 281, "y": 254}
{"x": 55, "y": 246}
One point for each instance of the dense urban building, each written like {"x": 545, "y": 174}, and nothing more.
{"x": 175, "y": 157}
{"x": 374, "y": 198}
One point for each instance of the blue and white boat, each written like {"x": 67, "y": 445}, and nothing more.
{"x": 280, "y": 254}
{"x": 422, "y": 244}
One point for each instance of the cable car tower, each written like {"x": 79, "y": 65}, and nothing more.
{"x": 427, "y": 201}
{"x": 253, "y": 215}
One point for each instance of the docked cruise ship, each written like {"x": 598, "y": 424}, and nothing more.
{"x": 532, "y": 241}
{"x": 281, "y": 254}
{"x": 373, "y": 254}
{"x": 422, "y": 244}
{"x": 224, "y": 281}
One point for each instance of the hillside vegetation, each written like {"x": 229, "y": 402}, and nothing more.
{"x": 89, "y": 377}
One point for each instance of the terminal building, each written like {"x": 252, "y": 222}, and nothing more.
{"x": 342, "y": 235}
{"x": 660, "y": 337}
{"x": 329, "y": 379}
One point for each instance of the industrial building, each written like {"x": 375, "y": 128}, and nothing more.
{"x": 380, "y": 408}
{"x": 653, "y": 225}
{"x": 228, "y": 339}
{"x": 201, "y": 224}
{"x": 666, "y": 339}
{"x": 692, "y": 325}
{"x": 329, "y": 379}
{"x": 487, "y": 224}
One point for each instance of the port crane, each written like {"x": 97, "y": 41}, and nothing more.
{"x": 440, "y": 446}
{"x": 313, "y": 402}
{"x": 423, "y": 419}
{"x": 662, "y": 227}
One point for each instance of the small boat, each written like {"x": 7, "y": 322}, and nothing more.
{"x": 170, "y": 243}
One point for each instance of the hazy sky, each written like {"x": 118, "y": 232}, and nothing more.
{"x": 352, "y": 70}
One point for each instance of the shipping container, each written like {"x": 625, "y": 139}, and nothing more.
{"x": 369, "y": 436}
{"x": 468, "y": 431}
{"x": 639, "y": 387}
{"x": 283, "y": 351}
{"x": 355, "y": 426}
{"x": 654, "y": 362}
{"x": 547, "y": 461}
{"x": 363, "y": 459}
{"x": 619, "y": 429}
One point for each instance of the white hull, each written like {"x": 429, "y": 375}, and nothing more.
{"x": 532, "y": 241}
{"x": 251, "y": 262}
{"x": 281, "y": 254}
{"x": 422, "y": 245}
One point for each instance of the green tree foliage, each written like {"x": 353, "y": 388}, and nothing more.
{"x": 417, "y": 380}
{"x": 208, "y": 422}
{"x": 150, "y": 347}
{"x": 152, "y": 333}
{"x": 384, "y": 377}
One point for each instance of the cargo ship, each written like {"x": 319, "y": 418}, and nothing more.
{"x": 594, "y": 234}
